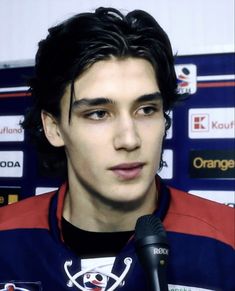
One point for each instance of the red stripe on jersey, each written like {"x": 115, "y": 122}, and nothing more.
{"x": 28, "y": 213}
{"x": 193, "y": 215}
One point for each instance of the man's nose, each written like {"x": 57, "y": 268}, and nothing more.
{"x": 126, "y": 135}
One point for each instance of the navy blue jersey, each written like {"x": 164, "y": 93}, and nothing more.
{"x": 34, "y": 257}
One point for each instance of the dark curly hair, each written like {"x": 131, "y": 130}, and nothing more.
{"x": 74, "y": 45}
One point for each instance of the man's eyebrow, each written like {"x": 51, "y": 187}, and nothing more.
{"x": 149, "y": 97}
{"x": 89, "y": 102}
{"x": 92, "y": 102}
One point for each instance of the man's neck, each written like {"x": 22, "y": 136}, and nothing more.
{"x": 92, "y": 214}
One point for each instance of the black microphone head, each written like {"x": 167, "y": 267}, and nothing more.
{"x": 149, "y": 225}
{"x": 152, "y": 250}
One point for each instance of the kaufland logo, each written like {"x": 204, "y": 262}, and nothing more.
{"x": 187, "y": 78}
{"x": 200, "y": 122}
{"x": 10, "y": 129}
{"x": 211, "y": 123}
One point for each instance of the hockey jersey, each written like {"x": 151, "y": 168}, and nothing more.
{"x": 33, "y": 255}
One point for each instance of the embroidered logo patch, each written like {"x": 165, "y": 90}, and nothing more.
{"x": 95, "y": 274}
{"x": 21, "y": 286}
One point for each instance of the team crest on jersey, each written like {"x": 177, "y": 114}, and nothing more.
{"x": 20, "y": 286}
{"x": 95, "y": 281}
{"x": 95, "y": 274}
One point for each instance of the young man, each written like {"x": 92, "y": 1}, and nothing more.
{"x": 103, "y": 85}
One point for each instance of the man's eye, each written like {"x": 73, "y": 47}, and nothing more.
{"x": 147, "y": 110}
{"x": 96, "y": 115}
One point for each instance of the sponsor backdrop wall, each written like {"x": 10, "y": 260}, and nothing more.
{"x": 199, "y": 149}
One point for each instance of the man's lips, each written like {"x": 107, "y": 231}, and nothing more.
{"x": 128, "y": 171}
{"x": 126, "y": 166}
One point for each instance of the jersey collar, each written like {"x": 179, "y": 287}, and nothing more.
{"x": 57, "y": 204}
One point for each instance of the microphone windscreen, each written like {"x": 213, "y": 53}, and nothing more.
{"x": 149, "y": 225}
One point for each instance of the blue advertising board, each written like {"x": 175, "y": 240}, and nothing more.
{"x": 199, "y": 149}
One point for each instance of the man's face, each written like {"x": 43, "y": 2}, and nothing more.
{"x": 114, "y": 138}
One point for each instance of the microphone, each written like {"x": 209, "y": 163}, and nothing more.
{"x": 152, "y": 250}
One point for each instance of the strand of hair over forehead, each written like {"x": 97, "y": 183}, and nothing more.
{"x": 132, "y": 17}
{"x": 139, "y": 21}
{"x": 109, "y": 14}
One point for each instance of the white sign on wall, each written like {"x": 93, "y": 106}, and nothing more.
{"x": 10, "y": 129}
{"x": 211, "y": 123}
{"x": 167, "y": 170}
{"x": 11, "y": 163}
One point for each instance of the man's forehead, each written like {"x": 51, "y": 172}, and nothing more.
{"x": 115, "y": 74}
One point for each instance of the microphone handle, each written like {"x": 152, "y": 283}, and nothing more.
{"x": 154, "y": 284}
{"x": 152, "y": 252}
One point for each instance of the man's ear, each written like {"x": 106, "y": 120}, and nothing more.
{"x": 51, "y": 129}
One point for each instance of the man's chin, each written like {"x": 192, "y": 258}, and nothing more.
{"x": 125, "y": 202}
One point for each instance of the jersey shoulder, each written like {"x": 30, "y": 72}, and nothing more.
{"x": 28, "y": 213}
{"x": 194, "y": 215}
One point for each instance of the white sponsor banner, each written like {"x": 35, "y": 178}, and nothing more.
{"x": 11, "y": 163}
{"x": 221, "y": 196}
{"x": 10, "y": 129}
{"x": 187, "y": 78}
{"x": 43, "y": 190}
{"x": 167, "y": 170}
{"x": 211, "y": 123}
